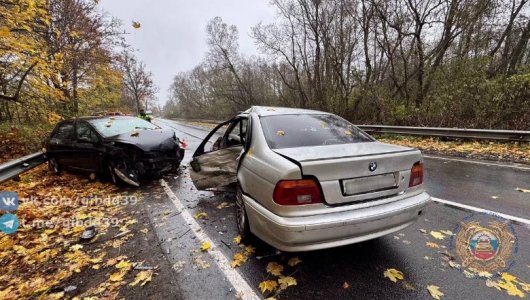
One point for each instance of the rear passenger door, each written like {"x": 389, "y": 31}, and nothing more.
{"x": 61, "y": 144}
{"x": 215, "y": 161}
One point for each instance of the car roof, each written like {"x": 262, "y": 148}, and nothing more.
{"x": 90, "y": 118}
{"x": 263, "y": 111}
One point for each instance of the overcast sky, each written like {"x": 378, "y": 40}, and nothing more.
{"x": 172, "y": 38}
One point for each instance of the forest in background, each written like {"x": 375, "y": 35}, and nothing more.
{"x": 444, "y": 63}
{"x": 66, "y": 58}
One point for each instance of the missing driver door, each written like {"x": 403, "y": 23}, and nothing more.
{"x": 215, "y": 161}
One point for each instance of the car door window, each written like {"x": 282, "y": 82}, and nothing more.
{"x": 85, "y": 132}
{"x": 236, "y": 134}
{"x": 64, "y": 132}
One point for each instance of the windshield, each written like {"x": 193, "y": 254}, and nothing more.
{"x": 114, "y": 126}
{"x": 289, "y": 131}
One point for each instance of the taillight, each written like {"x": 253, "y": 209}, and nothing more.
{"x": 297, "y": 192}
{"x": 416, "y": 175}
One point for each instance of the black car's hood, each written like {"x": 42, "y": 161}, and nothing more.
{"x": 147, "y": 140}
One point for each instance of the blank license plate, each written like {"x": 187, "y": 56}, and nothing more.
{"x": 369, "y": 184}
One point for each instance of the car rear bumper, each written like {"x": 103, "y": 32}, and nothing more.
{"x": 335, "y": 229}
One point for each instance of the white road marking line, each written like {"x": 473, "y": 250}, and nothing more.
{"x": 482, "y": 210}
{"x": 242, "y": 288}
{"x": 479, "y": 162}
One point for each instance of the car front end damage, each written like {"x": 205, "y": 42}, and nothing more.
{"x": 130, "y": 163}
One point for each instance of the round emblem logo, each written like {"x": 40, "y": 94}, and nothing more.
{"x": 485, "y": 243}
{"x": 372, "y": 166}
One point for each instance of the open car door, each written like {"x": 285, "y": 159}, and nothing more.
{"x": 215, "y": 161}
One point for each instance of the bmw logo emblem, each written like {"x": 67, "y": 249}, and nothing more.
{"x": 372, "y": 166}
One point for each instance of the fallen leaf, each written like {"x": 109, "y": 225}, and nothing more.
{"x": 522, "y": 190}
{"x": 135, "y": 133}
{"x": 393, "y": 274}
{"x": 280, "y": 133}
{"x": 447, "y": 232}
{"x": 237, "y": 239}
{"x": 179, "y": 266}
{"x": 423, "y": 231}
{"x": 437, "y": 235}
{"x": 124, "y": 264}
{"x": 454, "y": 265}
{"x": 435, "y": 292}
{"x": 268, "y": 285}
{"x": 238, "y": 260}
{"x": 206, "y": 246}
{"x": 142, "y": 277}
{"x": 250, "y": 249}
{"x": 494, "y": 197}
{"x": 145, "y": 230}
{"x": 76, "y": 247}
{"x": 136, "y": 25}
{"x": 508, "y": 283}
{"x": 293, "y": 261}
{"x": 406, "y": 242}
{"x": 201, "y": 215}
{"x": 118, "y": 276}
{"x": 345, "y": 285}
{"x": 274, "y": 268}
{"x": 222, "y": 205}
{"x": 287, "y": 281}
{"x": 432, "y": 245}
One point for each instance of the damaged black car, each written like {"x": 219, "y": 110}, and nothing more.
{"x": 120, "y": 148}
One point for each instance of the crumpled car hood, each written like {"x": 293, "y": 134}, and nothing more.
{"x": 148, "y": 140}
{"x": 339, "y": 151}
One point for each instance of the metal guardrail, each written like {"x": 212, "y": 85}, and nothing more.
{"x": 18, "y": 166}
{"x": 478, "y": 134}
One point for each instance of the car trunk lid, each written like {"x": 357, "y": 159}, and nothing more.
{"x": 356, "y": 172}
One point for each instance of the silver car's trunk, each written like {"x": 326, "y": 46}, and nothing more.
{"x": 345, "y": 174}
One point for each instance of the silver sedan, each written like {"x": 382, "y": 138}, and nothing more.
{"x": 310, "y": 180}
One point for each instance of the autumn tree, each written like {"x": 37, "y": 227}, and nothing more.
{"x": 138, "y": 82}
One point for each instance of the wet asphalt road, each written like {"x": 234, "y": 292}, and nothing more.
{"x": 322, "y": 274}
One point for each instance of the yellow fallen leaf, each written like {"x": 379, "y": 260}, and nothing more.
{"x": 237, "y": 239}
{"x": 435, "y": 292}
{"x": 437, "y": 235}
{"x": 274, "y": 268}
{"x": 250, "y": 249}
{"x": 393, "y": 274}
{"x": 345, "y": 285}
{"x": 118, "y": 276}
{"x": 201, "y": 215}
{"x": 432, "y": 245}
{"x": 136, "y": 25}
{"x": 508, "y": 283}
{"x": 206, "y": 246}
{"x": 57, "y": 296}
{"x": 268, "y": 285}
{"x": 280, "y": 133}
{"x": 287, "y": 281}
{"x": 239, "y": 259}
{"x": 76, "y": 247}
{"x": 124, "y": 264}
{"x": 143, "y": 277}
{"x": 293, "y": 261}
{"x": 447, "y": 232}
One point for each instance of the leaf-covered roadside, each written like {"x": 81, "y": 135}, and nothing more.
{"x": 46, "y": 253}
{"x": 509, "y": 151}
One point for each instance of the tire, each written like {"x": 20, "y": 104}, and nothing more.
{"x": 54, "y": 167}
{"x": 243, "y": 226}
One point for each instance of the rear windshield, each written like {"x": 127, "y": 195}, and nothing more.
{"x": 114, "y": 126}
{"x": 290, "y": 131}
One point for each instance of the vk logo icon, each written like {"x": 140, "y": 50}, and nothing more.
{"x": 9, "y": 223}
{"x": 8, "y": 201}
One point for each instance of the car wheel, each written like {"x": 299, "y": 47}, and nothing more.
{"x": 243, "y": 226}
{"x": 53, "y": 165}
